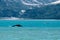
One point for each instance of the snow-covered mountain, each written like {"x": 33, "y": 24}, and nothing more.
{"x": 29, "y": 8}
{"x": 45, "y": 12}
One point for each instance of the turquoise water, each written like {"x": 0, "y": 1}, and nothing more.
{"x": 9, "y": 33}
{"x": 28, "y": 31}
{"x": 30, "y": 23}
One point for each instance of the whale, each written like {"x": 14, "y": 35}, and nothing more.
{"x": 17, "y": 25}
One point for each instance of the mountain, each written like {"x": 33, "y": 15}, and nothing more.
{"x": 45, "y": 12}
{"x": 11, "y": 8}
{"x": 15, "y": 8}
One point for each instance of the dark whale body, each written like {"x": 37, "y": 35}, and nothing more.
{"x": 17, "y": 25}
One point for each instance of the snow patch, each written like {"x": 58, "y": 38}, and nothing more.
{"x": 36, "y": 3}
{"x": 10, "y": 18}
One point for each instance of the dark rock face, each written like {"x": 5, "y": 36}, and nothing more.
{"x": 45, "y": 12}
{"x": 11, "y": 8}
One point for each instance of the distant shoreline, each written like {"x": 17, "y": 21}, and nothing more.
{"x": 33, "y": 19}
